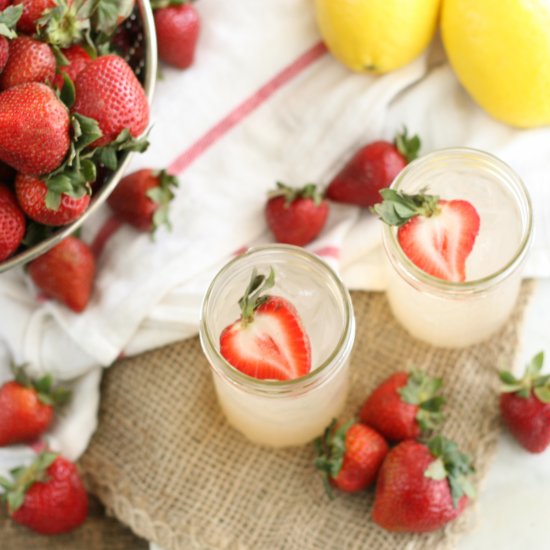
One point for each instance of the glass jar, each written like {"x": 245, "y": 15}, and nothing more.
{"x": 458, "y": 314}
{"x": 293, "y": 412}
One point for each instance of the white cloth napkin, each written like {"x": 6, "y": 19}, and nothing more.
{"x": 262, "y": 103}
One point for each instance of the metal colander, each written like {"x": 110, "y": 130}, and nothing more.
{"x": 137, "y": 44}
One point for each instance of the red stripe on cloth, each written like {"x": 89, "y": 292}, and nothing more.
{"x": 112, "y": 225}
{"x": 330, "y": 251}
{"x": 246, "y": 107}
{"x": 108, "y": 229}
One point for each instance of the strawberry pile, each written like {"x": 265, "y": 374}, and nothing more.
{"x": 69, "y": 107}
{"x": 422, "y": 482}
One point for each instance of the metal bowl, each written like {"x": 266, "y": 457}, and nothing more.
{"x": 144, "y": 64}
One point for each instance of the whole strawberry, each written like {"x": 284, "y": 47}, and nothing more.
{"x": 34, "y": 129}
{"x": 142, "y": 198}
{"x": 12, "y": 223}
{"x": 29, "y": 60}
{"x": 66, "y": 273}
{"x": 422, "y": 487}
{"x": 78, "y": 58}
{"x": 350, "y": 456}
{"x": 48, "y": 496}
{"x": 525, "y": 406}
{"x": 32, "y": 196}
{"x": 32, "y": 12}
{"x": 371, "y": 169}
{"x": 268, "y": 340}
{"x": 436, "y": 235}
{"x": 296, "y": 216}
{"x": 404, "y": 406}
{"x": 108, "y": 91}
{"x": 177, "y": 24}
{"x": 27, "y": 407}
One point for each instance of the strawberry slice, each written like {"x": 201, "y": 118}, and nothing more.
{"x": 436, "y": 235}
{"x": 268, "y": 341}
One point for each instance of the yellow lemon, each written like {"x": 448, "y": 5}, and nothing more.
{"x": 376, "y": 35}
{"x": 500, "y": 51}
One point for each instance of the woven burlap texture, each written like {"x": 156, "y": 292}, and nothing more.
{"x": 167, "y": 464}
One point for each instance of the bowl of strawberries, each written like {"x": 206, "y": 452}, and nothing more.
{"x": 76, "y": 82}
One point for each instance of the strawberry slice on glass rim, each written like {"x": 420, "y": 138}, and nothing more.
{"x": 268, "y": 341}
{"x": 436, "y": 235}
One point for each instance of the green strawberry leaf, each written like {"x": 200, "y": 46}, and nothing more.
{"x": 422, "y": 390}
{"x": 290, "y": 194}
{"x": 436, "y": 470}
{"x": 66, "y": 23}
{"x": 67, "y": 94}
{"x": 456, "y": 465}
{"x": 330, "y": 450}
{"x": 543, "y": 394}
{"x": 398, "y": 208}
{"x": 8, "y": 20}
{"x": 254, "y": 296}
{"x": 106, "y": 14}
{"x": 162, "y": 195}
{"x": 409, "y": 147}
{"x": 532, "y": 381}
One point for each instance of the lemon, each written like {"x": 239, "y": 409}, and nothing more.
{"x": 376, "y": 35}
{"x": 500, "y": 51}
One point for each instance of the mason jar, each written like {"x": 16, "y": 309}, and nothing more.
{"x": 458, "y": 314}
{"x": 290, "y": 412}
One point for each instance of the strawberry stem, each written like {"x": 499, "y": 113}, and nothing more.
{"x": 290, "y": 194}
{"x": 398, "y": 208}
{"x": 330, "y": 449}
{"x": 409, "y": 147}
{"x": 422, "y": 390}
{"x": 532, "y": 380}
{"x": 452, "y": 464}
{"x": 252, "y": 298}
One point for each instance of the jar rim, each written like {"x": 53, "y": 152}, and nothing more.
{"x": 419, "y": 276}
{"x": 342, "y": 347}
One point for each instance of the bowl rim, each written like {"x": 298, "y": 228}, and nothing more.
{"x": 33, "y": 252}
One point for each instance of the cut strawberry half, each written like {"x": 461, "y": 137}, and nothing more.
{"x": 436, "y": 235}
{"x": 268, "y": 341}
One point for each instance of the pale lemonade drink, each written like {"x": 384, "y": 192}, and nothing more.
{"x": 293, "y": 412}
{"x": 457, "y": 314}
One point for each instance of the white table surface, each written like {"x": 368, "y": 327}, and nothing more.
{"x": 513, "y": 505}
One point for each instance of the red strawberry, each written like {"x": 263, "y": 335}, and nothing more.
{"x": 66, "y": 273}
{"x": 32, "y": 193}
{"x": 268, "y": 340}
{"x": 48, "y": 496}
{"x": 27, "y": 407}
{"x": 350, "y": 456}
{"x": 12, "y": 223}
{"x": 436, "y": 235}
{"x": 525, "y": 406}
{"x": 78, "y": 58}
{"x": 142, "y": 198}
{"x": 178, "y": 29}
{"x": 4, "y": 52}
{"x": 421, "y": 487}
{"x": 371, "y": 169}
{"x": 32, "y": 12}
{"x": 29, "y": 61}
{"x": 34, "y": 129}
{"x": 404, "y": 406}
{"x": 108, "y": 91}
{"x": 296, "y": 216}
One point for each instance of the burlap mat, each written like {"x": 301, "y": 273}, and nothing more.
{"x": 167, "y": 464}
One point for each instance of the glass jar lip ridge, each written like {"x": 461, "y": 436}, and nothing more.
{"x": 344, "y": 342}
{"x": 476, "y": 285}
